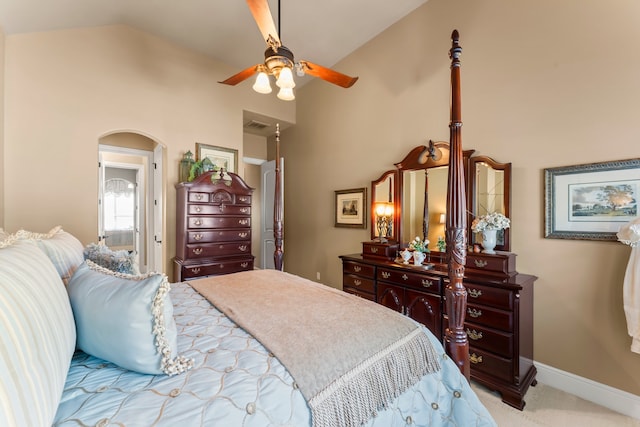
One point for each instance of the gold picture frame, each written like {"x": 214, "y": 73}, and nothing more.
{"x": 221, "y": 157}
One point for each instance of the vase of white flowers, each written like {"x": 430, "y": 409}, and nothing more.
{"x": 420, "y": 249}
{"x": 488, "y": 225}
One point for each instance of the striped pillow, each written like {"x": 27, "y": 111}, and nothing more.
{"x": 37, "y": 335}
{"x": 62, "y": 248}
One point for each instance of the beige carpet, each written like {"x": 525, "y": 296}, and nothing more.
{"x": 547, "y": 406}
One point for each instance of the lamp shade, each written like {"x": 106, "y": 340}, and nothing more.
{"x": 285, "y": 79}
{"x": 262, "y": 83}
{"x": 286, "y": 94}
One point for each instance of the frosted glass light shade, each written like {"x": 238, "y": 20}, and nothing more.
{"x": 286, "y": 94}
{"x": 262, "y": 83}
{"x": 285, "y": 79}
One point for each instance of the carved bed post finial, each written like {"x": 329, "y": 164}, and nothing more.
{"x": 456, "y": 342}
{"x": 277, "y": 209}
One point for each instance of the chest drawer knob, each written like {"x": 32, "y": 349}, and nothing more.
{"x": 474, "y": 313}
{"x": 243, "y": 234}
{"x": 198, "y": 196}
{"x": 198, "y": 209}
{"x": 242, "y": 247}
{"x": 427, "y": 283}
{"x": 195, "y": 270}
{"x": 357, "y": 268}
{"x": 480, "y": 263}
{"x": 386, "y": 274}
{"x": 197, "y": 237}
{"x": 405, "y": 277}
{"x": 475, "y": 359}
{"x": 373, "y": 250}
{"x": 474, "y": 293}
{"x": 244, "y": 210}
{"x": 197, "y": 251}
{"x": 243, "y": 221}
{"x": 198, "y": 222}
{"x": 244, "y": 265}
{"x": 472, "y": 334}
{"x": 357, "y": 282}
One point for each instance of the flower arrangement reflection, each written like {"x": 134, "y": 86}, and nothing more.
{"x": 419, "y": 245}
{"x": 490, "y": 221}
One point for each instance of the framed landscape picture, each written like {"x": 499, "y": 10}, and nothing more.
{"x": 350, "y": 208}
{"x": 221, "y": 157}
{"x": 591, "y": 201}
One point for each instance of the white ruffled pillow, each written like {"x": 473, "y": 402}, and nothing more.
{"x": 37, "y": 335}
{"x": 3, "y": 235}
{"x": 126, "y": 319}
{"x": 62, "y": 248}
{"x": 629, "y": 234}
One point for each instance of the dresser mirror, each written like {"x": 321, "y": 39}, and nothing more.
{"x": 489, "y": 191}
{"x": 418, "y": 191}
{"x": 383, "y": 192}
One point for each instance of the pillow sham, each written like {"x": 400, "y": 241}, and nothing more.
{"x": 126, "y": 319}
{"x": 37, "y": 335}
{"x": 62, "y": 248}
{"x": 119, "y": 261}
{"x": 3, "y": 235}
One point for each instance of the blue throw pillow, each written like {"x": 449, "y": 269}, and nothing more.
{"x": 126, "y": 319}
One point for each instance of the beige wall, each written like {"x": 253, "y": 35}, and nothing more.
{"x": 544, "y": 84}
{"x": 2, "y": 155}
{"x": 255, "y": 146}
{"x": 64, "y": 90}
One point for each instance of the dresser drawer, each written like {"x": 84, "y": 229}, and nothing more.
{"x": 201, "y": 209}
{"x": 243, "y": 199}
{"x": 363, "y": 270}
{"x": 358, "y": 282}
{"x": 218, "y": 222}
{"x": 359, "y": 293}
{"x": 379, "y": 250}
{"x": 487, "y": 295}
{"x": 483, "y": 315}
{"x": 216, "y": 268}
{"x": 422, "y": 282}
{"x": 218, "y": 236}
{"x": 487, "y": 363}
{"x": 198, "y": 197}
{"x": 501, "y": 263}
{"x": 208, "y": 250}
{"x": 489, "y": 339}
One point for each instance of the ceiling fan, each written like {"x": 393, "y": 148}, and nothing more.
{"x": 279, "y": 61}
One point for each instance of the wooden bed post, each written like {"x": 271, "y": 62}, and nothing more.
{"x": 277, "y": 209}
{"x": 456, "y": 342}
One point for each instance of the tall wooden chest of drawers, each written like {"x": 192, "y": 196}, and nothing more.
{"x": 213, "y": 226}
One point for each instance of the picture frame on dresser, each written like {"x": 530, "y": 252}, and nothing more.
{"x": 591, "y": 201}
{"x": 221, "y": 157}
{"x": 351, "y": 208}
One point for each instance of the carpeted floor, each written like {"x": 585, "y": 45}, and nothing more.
{"x": 547, "y": 406}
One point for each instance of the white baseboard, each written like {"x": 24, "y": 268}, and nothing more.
{"x": 604, "y": 395}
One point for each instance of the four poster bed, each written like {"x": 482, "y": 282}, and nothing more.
{"x": 241, "y": 349}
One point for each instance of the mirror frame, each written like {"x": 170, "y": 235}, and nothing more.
{"x": 394, "y": 193}
{"x": 472, "y": 196}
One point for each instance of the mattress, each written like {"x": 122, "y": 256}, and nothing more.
{"x": 237, "y": 382}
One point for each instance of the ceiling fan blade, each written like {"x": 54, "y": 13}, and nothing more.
{"x": 262, "y": 16}
{"x": 328, "y": 74}
{"x": 241, "y": 76}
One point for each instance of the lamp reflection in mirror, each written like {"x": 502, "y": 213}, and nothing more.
{"x": 384, "y": 220}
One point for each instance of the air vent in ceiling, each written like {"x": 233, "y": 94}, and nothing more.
{"x": 254, "y": 124}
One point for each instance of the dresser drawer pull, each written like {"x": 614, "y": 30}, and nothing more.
{"x": 427, "y": 283}
{"x": 197, "y": 251}
{"x": 198, "y": 209}
{"x": 373, "y": 250}
{"x": 480, "y": 263}
{"x": 386, "y": 274}
{"x": 475, "y": 359}
{"x": 474, "y": 313}
{"x": 243, "y": 222}
{"x": 244, "y": 265}
{"x": 244, "y": 199}
{"x": 197, "y": 237}
{"x": 472, "y": 334}
{"x": 244, "y": 210}
{"x": 243, "y": 234}
{"x": 198, "y": 222}
{"x": 221, "y": 266}
{"x": 357, "y": 282}
{"x": 405, "y": 277}
{"x": 357, "y": 268}
{"x": 195, "y": 270}
{"x": 199, "y": 196}
{"x": 475, "y": 293}
{"x": 242, "y": 247}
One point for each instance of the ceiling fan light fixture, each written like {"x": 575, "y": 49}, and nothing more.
{"x": 286, "y": 94}
{"x": 285, "y": 79}
{"x": 262, "y": 84}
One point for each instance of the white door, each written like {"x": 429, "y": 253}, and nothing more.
{"x": 267, "y": 240}
{"x": 157, "y": 209}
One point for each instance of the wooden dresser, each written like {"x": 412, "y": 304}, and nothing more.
{"x": 213, "y": 226}
{"x": 499, "y": 317}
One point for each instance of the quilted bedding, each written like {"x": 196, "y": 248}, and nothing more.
{"x": 236, "y": 382}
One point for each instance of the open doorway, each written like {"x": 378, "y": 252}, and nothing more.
{"x": 130, "y": 206}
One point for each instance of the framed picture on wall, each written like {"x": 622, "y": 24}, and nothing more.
{"x": 591, "y": 201}
{"x": 351, "y": 208}
{"x": 221, "y": 157}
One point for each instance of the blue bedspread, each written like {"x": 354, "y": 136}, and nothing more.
{"x": 236, "y": 382}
